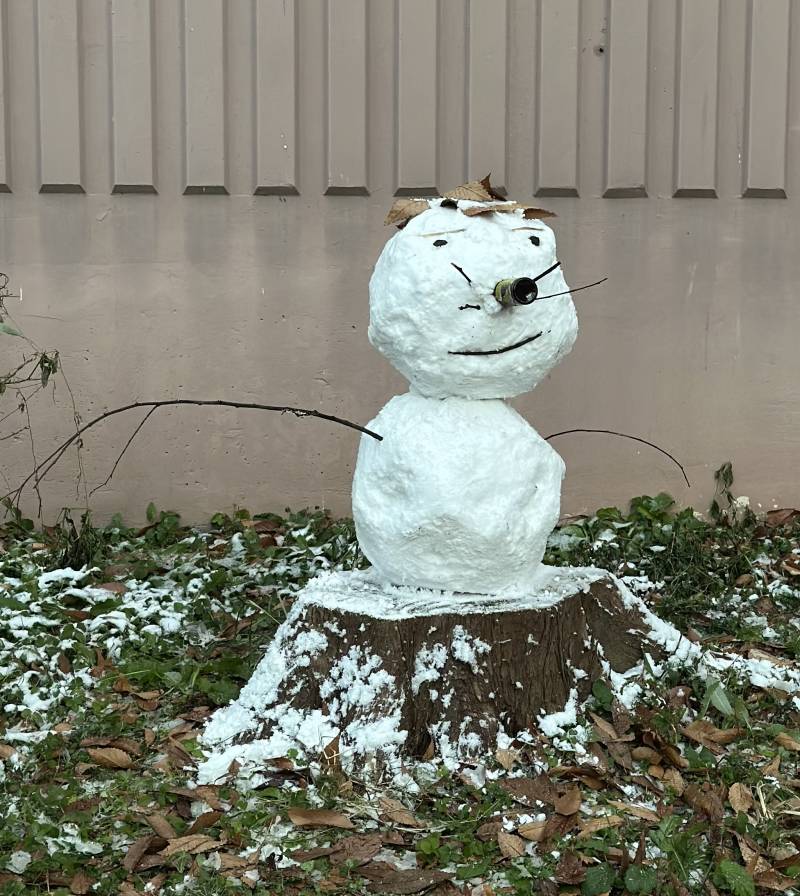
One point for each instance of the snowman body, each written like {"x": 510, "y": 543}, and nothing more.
{"x": 462, "y": 493}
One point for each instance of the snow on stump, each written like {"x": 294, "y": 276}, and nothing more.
{"x": 380, "y": 673}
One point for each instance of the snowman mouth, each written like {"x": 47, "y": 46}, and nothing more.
{"x": 499, "y": 351}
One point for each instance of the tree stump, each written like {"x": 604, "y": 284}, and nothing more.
{"x": 377, "y": 673}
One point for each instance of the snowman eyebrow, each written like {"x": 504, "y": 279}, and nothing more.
{"x": 526, "y": 228}
{"x": 442, "y": 232}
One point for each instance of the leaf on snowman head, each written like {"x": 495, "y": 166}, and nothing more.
{"x": 474, "y": 190}
{"x": 403, "y": 210}
{"x": 485, "y": 208}
{"x": 532, "y": 212}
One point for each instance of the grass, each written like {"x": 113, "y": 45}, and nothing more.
{"x": 107, "y": 677}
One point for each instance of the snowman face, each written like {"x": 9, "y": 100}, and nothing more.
{"x": 433, "y": 313}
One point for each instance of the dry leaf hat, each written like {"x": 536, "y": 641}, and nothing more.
{"x": 477, "y": 197}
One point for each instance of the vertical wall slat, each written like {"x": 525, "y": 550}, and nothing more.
{"x": 276, "y": 97}
{"x": 416, "y": 97}
{"x": 557, "y": 156}
{"x": 696, "y": 100}
{"x": 347, "y": 97}
{"x": 59, "y": 97}
{"x": 4, "y": 135}
{"x": 767, "y": 99}
{"x": 132, "y": 95}
{"x": 204, "y": 71}
{"x": 626, "y": 120}
{"x": 486, "y": 95}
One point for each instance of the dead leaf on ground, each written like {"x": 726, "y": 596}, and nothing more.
{"x": 781, "y": 517}
{"x": 785, "y": 740}
{"x": 81, "y": 884}
{"x": 708, "y": 735}
{"x": 204, "y": 821}
{"x": 195, "y": 844}
{"x": 592, "y": 825}
{"x": 533, "y": 830}
{"x": 319, "y": 818}
{"x": 530, "y": 791}
{"x": 570, "y": 869}
{"x": 7, "y": 751}
{"x": 139, "y": 848}
{"x": 386, "y": 879}
{"x": 569, "y": 802}
{"x": 674, "y": 779}
{"x": 636, "y": 811}
{"x": 740, "y": 797}
{"x": 161, "y": 826}
{"x": 511, "y": 846}
{"x": 110, "y": 757}
{"x": 507, "y": 758}
{"x": 705, "y": 799}
{"x": 395, "y": 811}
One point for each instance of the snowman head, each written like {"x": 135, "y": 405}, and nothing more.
{"x": 446, "y": 311}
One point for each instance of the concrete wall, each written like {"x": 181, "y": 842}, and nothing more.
{"x": 195, "y": 200}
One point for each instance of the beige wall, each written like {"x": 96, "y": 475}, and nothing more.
{"x": 666, "y": 138}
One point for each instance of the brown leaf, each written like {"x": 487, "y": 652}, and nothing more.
{"x": 507, "y": 758}
{"x": 161, "y": 826}
{"x": 531, "y": 213}
{"x": 706, "y": 800}
{"x": 592, "y": 825}
{"x": 193, "y": 844}
{"x": 473, "y": 210}
{"x": 533, "y": 830}
{"x": 80, "y": 884}
{"x": 402, "y": 883}
{"x": 674, "y": 779}
{"x": 703, "y": 732}
{"x": 773, "y": 880}
{"x": 782, "y": 517}
{"x": 621, "y": 754}
{"x": 511, "y": 846}
{"x": 7, "y": 751}
{"x": 674, "y": 756}
{"x": 395, "y": 811}
{"x": 635, "y": 811}
{"x": 319, "y": 818}
{"x": 113, "y": 587}
{"x": 740, "y": 797}
{"x": 204, "y": 821}
{"x": 569, "y": 802}
{"x": 559, "y": 825}
{"x": 110, "y": 757}
{"x": 489, "y": 830}
{"x": 475, "y": 191}
{"x": 64, "y": 664}
{"x": 530, "y": 791}
{"x": 785, "y": 740}
{"x": 139, "y": 848}
{"x": 403, "y": 210}
{"x": 646, "y": 754}
{"x": 570, "y": 869}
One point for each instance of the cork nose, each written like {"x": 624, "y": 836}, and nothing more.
{"x": 521, "y": 291}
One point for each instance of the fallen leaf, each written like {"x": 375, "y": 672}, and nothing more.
{"x": 403, "y": 210}
{"x": 774, "y": 880}
{"x": 161, "y": 826}
{"x": 569, "y": 802}
{"x": 193, "y": 844}
{"x": 636, "y": 811}
{"x": 706, "y": 800}
{"x": 570, "y": 869}
{"x": 511, "y": 846}
{"x": 139, "y": 848}
{"x": 319, "y": 818}
{"x": 6, "y": 751}
{"x": 786, "y": 741}
{"x": 531, "y": 213}
{"x": 507, "y": 758}
{"x": 646, "y": 754}
{"x": 530, "y": 791}
{"x": 772, "y": 768}
{"x": 387, "y": 879}
{"x": 533, "y": 830}
{"x": 395, "y": 811}
{"x": 674, "y": 779}
{"x": 781, "y": 517}
{"x": 711, "y": 737}
{"x": 81, "y": 883}
{"x": 475, "y": 191}
{"x": 591, "y": 826}
{"x": 204, "y": 821}
{"x": 110, "y": 757}
{"x": 740, "y": 797}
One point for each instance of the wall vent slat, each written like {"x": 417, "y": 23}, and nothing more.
{"x": 347, "y": 97}
{"x": 59, "y": 97}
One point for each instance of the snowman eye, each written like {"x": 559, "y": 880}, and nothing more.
{"x": 535, "y": 240}
{"x": 439, "y": 243}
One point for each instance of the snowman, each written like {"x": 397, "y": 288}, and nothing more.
{"x": 469, "y": 303}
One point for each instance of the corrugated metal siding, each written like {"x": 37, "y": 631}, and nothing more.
{"x": 678, "y": 98}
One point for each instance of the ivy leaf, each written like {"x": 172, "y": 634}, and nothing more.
{"x": 735, "y": 879}
{"x": 9, "y": 331}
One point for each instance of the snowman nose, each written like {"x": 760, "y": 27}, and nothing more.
{"x": 521, "y": 291}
